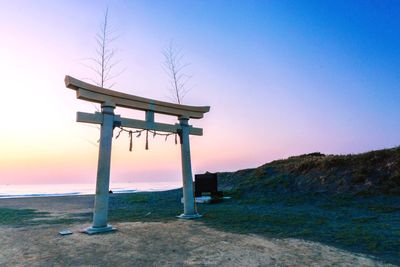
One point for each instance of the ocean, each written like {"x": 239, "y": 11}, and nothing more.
{"x": 46, "y": 190}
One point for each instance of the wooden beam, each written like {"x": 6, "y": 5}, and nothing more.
{"x": 97, "y": 118}
{"x": 92, "y": 93}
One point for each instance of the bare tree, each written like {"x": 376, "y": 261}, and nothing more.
{"x": 103, "y": 62}
{"x": 176, "y": 70}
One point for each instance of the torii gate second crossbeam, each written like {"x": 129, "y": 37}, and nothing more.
{"x": 109, "y": 100}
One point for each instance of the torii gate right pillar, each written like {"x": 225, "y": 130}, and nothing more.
{"x": 189, "y": 206}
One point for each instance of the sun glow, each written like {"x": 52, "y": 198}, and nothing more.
{"x": 279, "y": 82}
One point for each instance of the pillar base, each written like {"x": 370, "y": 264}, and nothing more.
{"x": 99, "y": 230}
{"x": 189, "y": 217}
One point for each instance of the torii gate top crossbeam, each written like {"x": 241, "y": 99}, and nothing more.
{"x": 89, "y": 92}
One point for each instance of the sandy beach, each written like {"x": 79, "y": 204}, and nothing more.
{"x": 173, "y": 243}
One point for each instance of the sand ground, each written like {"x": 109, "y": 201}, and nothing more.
{"x": 176, "y": 243}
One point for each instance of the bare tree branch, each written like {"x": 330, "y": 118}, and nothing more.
{"x": 104, "y": 63}
{"x": 175, "y": 69}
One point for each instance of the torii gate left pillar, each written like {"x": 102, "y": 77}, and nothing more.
{"x": 100, "y": 213}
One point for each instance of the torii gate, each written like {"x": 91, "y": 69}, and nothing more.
{"x": 109, "y": 100}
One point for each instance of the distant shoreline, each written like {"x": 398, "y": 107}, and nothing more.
{"x": 62, "y": 194}
{"x": 77, "y": 194}
{"x": 57, "y": 190}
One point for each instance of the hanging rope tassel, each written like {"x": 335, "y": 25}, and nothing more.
{"x": 138, "y": 133}
{"x": 131, "y": 141}
{"x": 119, "y": 133}
{"x": 147, "y": 139}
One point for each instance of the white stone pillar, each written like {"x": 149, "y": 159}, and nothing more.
{"x": 189, "y": 206}
{"x": 100, "y": 213}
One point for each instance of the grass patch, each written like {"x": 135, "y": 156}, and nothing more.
{"x": 29, "y": 217}
{"x": 17, "y": 217}
{"x": 364, "y": 219}
{"x": 369, "y": 225}
{"x": 138, "y": 198}
{"x": 159, "y": 207}
{"x": 384, "y": 209}
{"x": 346, "y": 225}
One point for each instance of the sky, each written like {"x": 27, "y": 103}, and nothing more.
{"x": 282, "y": 78}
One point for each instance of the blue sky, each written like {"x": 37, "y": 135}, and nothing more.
{"x": 281, "y": 77}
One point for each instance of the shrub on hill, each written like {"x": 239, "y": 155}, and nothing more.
{"x": 371, "y": 173}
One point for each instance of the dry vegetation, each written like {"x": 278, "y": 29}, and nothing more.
{"x": 372, "y": 173}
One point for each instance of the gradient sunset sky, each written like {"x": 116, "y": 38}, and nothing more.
{"x": 282, "y": 78}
